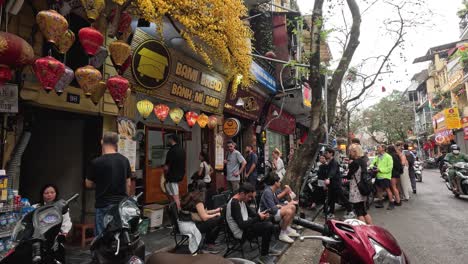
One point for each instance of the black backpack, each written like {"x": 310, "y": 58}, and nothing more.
{"x": 365, "y": 184}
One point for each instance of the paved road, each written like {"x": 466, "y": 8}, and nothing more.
{"x": 431, "y": 228}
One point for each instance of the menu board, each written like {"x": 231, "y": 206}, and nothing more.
{"x": 127, "y": 147}
{"x": 219, "y": 152}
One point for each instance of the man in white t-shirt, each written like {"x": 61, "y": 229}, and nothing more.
{"x": 235, "y": 165}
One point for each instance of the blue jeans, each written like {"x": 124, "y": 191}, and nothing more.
{"x": 99, "y": 221}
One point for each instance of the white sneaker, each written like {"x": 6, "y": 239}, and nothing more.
{"x": 292, "y": 232}
{"x": 350, "y": 215}
{"x": 297, "y": 227}
{"x": 285, "y": 238}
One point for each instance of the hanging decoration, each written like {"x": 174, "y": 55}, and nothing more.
{"x": 98, "y": 92}
{"x": 176, "y": 115}
{"x": 88, "y": 78}
{"x": 14, "y": 52}
{"x": 161, "y": 111}
{"x": 125, "y": 66}
{"x": 52, "y": 25}
{"x": 65, "y": 42}
{"x": 212, "y": 122}
{"x": 48, "y": 71}
{"x": 119, "y": 52}
{"x": 93, "y": 8}
{"x": 124, "y": 23}
{"x": 191, "y": 118}
{"x": 67, "y": 77}
{"x": 91, "y": 40}
{"x": 98, "y": 60}
{"x": 118, "y": 86}
{"x": 145, "y": 107}
{"x": 202, "y": 120}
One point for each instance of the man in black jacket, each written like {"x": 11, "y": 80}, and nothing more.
{"x": 174, "y": 169}
{"x": 335, "y": 191}
{"x": 246, "y": 224}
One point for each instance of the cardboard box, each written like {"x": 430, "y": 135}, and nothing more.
{"x": 155, "y": 213}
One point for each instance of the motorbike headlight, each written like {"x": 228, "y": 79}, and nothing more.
{"x": 382, "y": 256}
{"x": 129, "y": 211}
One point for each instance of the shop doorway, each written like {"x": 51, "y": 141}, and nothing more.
{"x": 155, "y": 157}
{"x": 60, "y": 150}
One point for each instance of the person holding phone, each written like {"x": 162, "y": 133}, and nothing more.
{"x": 245, "y": 224}
{"x": 282, "y": 213}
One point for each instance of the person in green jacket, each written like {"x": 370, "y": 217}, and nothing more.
{"x": 384, "y": 164}
{"x": 453, "y": 157}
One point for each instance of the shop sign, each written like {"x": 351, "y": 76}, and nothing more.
{"x": 263, "y": 77}
{"x": 306, "y": 95}
{"x": 452, "y": 118}
{"x": 284, "y": 124}
{"x": 465, "y": 127}
{"x": 170, "y": 75}
{"x": 444, "y": 137}
{"x": 151, "y": 64}
{"x": 231, "y": 127}
{"x": 9, "y": 98}
{"x": 252, "y": 106}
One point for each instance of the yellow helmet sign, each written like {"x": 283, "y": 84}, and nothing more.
{"x": 151, "y": 64}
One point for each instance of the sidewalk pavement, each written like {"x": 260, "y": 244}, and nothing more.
{"x": 161, "y": 240}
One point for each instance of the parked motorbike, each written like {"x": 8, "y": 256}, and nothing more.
{"x": 430, "y": 163}
{"x": 36, "y": 236}
{"x": 354, "y": 242}
{"x": 461, "y": 179}
{"x": 308, "y": 188}
{"x": 120, "y": 241}
{"x": 418, "y": 168}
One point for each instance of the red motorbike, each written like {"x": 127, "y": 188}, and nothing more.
{"x": 355, "y": 243}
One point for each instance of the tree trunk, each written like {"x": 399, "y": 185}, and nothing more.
{"x": 343, "y": 66}
{"x": 304, "y": 156}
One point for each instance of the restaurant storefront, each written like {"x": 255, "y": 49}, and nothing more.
{"x": 188, "y": 97}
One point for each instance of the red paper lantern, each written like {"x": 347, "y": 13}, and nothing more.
{"x": 48, "y": 70}
{"x": 124, "y": 23}
{"x": 161, "y": 111}
{"x": 118, "y": 86}
{"x": 5, "y": 74}
{"x": 14, "y": 52}
{"x": 212, "y": 122}
{"x": 191, "y": 118}
{"x": 91, "y": 40}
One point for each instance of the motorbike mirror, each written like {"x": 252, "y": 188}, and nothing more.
{"x": 323, "y": 238}
{"x": 69, "y": 200}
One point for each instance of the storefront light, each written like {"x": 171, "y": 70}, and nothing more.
{"x": 145, "y": 107}
{"x": 161, "y": 111}
{"x": 176, "y": 115}
{"x": 191, "y": 118}
{"x": 264, "y": 139}
{"x": 212, "y": 122}
{"x": 202, "y": 120}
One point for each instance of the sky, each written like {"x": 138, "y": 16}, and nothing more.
{"x": 439, "y": 28}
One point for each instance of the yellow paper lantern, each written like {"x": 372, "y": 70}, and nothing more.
{"x": 176, "y": 115}
{"x": 212, "y": 122}
{"x": 145, "y": 107}
{"x": 202, "y": 120}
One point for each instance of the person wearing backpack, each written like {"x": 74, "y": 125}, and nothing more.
{"x": 174, "y": 169}
{"x": 358, "y": 176}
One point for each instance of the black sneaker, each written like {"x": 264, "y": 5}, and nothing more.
{"x": 379, "y": 205}
{"x": 397, "y": 204}
{"x": 391, "y": 206}
{"x": 414, "y": 191}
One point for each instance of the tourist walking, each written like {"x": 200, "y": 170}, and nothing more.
{"x": 174, "y": 169}
{"x": 358, "y": 169}
{"x": 397, "y": 171}
{"x": 384, "y": 165}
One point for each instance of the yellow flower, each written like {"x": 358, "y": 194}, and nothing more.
{"x": 215, "y": 23}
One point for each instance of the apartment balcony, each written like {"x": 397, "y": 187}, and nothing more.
{"x": 464, "y": 27}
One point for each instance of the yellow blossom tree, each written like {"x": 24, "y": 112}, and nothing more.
{"x": 215, "y": 24}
